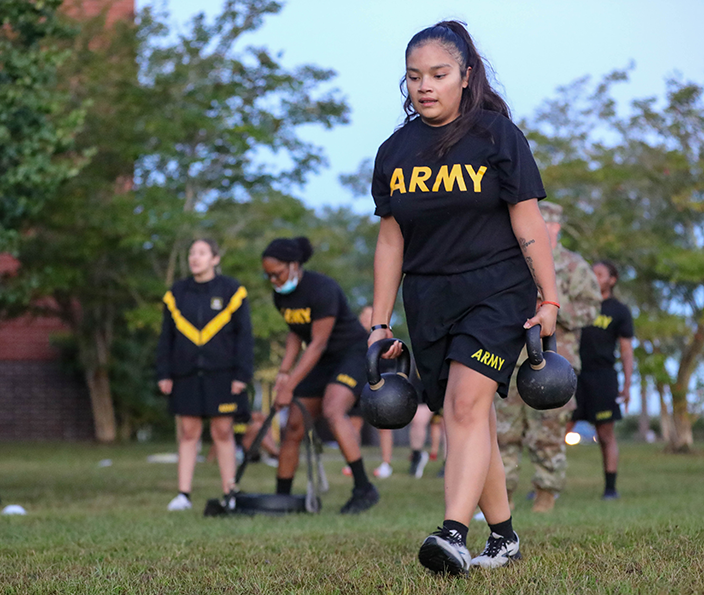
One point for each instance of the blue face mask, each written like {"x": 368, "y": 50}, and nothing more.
{"x": 288, "y": 286}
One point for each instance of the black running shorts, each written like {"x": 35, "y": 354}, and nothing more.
{"x": 208, "y": 394}
{"x": 597, "y": 391}
{"x": 475, "y": 318}
{"x": 347, "y": 368}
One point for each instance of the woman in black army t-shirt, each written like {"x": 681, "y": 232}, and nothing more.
{"x": 205, "y": 359}
{"x": 456, "y": 189}
{"x": 329, "y": 376}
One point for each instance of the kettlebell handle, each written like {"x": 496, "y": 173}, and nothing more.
{"x": 534, "y": 348}
{"x": 374, "y": 355}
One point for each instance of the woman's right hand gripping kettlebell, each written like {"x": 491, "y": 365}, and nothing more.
{"x": 385, "y": 333}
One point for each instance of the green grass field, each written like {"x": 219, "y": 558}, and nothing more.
{"x": 92, "y": 529}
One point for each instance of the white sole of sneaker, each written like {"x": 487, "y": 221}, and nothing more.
{"x": 438, "y": 557}
{"x": 498, "y": 563}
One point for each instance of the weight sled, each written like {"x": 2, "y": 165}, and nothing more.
{"x": 277, "y": 504}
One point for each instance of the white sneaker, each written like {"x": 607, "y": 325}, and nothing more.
{"x": 180, "y": 502}
{"x": 418, "y": 466}
{"x": 383, "y": 471}
{"x": 270, "y": 461}
{"x": 229, "y": 502}
{"x": 499, "y": 551}
{"x": 443, "y": 551}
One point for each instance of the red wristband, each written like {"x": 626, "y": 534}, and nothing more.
{"x": 551, "y": 303}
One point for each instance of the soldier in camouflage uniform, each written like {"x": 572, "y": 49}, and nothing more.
{"x": 543, "y": 432}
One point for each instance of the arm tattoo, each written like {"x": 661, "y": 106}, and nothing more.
{"x": 529, "y": 262}
{"x": 525, "y": 243}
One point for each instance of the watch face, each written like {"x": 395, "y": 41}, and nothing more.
{"x": 216, "y": 303}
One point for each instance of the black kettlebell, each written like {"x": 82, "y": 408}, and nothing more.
{"x": 388, "y": 400}
{"x": 546, "y": 380}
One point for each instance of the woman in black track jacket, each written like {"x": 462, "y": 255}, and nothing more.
{"x": 205, "y": 359}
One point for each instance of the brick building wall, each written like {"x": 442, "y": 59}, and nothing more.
{"x": 116, "y": 9}
{"x": 39, "y": 400}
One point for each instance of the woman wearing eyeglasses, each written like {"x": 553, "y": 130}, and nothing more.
{"x": 329, "y": 374}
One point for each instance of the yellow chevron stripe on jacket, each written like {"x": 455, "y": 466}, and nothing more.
{"x": 213, "y": 327}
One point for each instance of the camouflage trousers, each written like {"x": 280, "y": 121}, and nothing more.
{"x": 542, "y": 432}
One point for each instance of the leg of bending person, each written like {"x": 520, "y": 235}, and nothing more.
{"x": 338, "y": 400}
{"x": 290, "y": 445}
{"x": 268, "y": 443}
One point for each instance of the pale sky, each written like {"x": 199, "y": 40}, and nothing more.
{"x": 533, "y": 46}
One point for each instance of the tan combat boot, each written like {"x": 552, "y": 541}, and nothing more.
{"x": 544, "y": 501}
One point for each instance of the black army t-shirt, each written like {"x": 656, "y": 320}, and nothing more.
{"x": 453, "y": 213}
{"x": 318, "y": 296}
{"x": 598, "y": 343}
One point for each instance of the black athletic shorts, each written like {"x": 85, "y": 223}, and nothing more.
{"x": 209, "y": 394}
{"x": 597, "y": 391}
{"x": 347, "y": 368}
{"x": 475, "y": 318}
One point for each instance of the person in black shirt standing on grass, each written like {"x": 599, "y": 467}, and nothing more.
{"x": 330, "y": 374}
{"x": 457, "y": 191}
{"x": 205, "y": 358}
{"x": 598, "y": 395}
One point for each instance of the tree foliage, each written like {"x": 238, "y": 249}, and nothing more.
{"x": 225, "y": 117}
{"x": 632, "y": 185}
{"x": 191, "y": 135}
{"x": 37, "y": 124}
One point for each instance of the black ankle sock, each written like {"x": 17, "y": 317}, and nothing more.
{"x": 459, "y": 527}
{"x": 187, "y": 494}
{"x": 504, "y": 529}
{"x": 415, "y": 456}
{"x": 284, "y": 485}
{"x": 359, "y": 474}
{"x": 610, "y": 481}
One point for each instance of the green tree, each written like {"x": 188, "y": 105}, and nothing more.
{"x": 185, "y": 132}
{"x": 226, "y": 116}
{"x": 37, "y": 124}
{"x": 633, "y": 189}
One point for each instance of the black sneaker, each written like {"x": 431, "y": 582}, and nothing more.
{"x": 213, "y": 507}
{"x": 610, "y": 495}
{"x": 361, "y": 500}
{"x": 499, "y": 551}
{"x": 443, "y": 551}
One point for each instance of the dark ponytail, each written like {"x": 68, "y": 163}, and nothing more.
{"x": 477, "y": 96}
{"x": 289, "y": 249}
